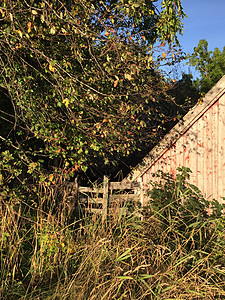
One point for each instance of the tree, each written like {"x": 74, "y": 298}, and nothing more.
{"x": 210, "y": 65}
{"x": 185, "y": 94}
{"x": 81, "y": 78}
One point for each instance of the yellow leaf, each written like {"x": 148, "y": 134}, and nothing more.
{"x": 42, "y": 18}
{"x": 2, "y": 12}
{"x": 20, "y": 33}
{"x": 200, "y": 100}
{"x": 66, "y": 101}
{"x": 52, "y": 30}
{"x": 42, "y": 4}
{"x": 11, "y": 17}
{"x": 34, "y": 12}
{"x": 18, "y": 46}
{"x": 51, "y": 176}
{"x": 51, "y": 68}
{"x": 164, "y": 55}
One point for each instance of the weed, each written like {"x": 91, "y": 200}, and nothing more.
{"x": 175, "y": 250}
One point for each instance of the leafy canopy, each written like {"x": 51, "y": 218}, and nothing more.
{"x": 210, "y": 65}
{"x": 81, "y": 77}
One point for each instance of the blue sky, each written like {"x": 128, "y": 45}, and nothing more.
{"x": 206, "y": 20}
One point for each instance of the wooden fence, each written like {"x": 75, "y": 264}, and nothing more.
{"x": 102, "y": 199}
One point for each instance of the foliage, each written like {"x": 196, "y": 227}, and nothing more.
{"x": 81, "y": 78}
{"x": 175, "y": 250}
{"x": 210, "y": 65}
{"x": 182, "y": 204}
{"x": 185, "y": 96}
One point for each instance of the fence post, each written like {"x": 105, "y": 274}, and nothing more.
{"x": 105, "y": 197}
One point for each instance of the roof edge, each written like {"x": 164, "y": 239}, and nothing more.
{"x": 179, "y": 129}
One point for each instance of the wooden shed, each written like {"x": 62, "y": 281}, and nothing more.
{"x": 196, "y": 142}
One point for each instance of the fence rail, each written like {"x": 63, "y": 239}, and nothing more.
{"x": 100, "y": 200}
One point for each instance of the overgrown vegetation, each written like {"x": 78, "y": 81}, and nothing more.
{"x": 80, "y": 88}
{"x": 174, "y": 251}
{"x": 82, "y": 80}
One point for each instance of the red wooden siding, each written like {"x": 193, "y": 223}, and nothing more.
{"x": 197, "y": 142}
{"x": 201, "y": 148}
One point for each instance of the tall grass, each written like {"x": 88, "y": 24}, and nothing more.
{"x": 172, "y": 252}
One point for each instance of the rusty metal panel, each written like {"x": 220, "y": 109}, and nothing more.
{"x": 202, "y": 149}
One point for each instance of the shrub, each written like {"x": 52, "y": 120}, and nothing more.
{"x": 173, "y": 249}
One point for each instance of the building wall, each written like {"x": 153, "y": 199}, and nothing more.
{"x": 202, "y": 149}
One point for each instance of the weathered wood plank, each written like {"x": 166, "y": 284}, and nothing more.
{"x": 84, "y": 189}
{"x": 91, "y": 200}
{"x": 124, "y": 185}
{"x": 125, "y": 197}
{"x": 108, "y": 196}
